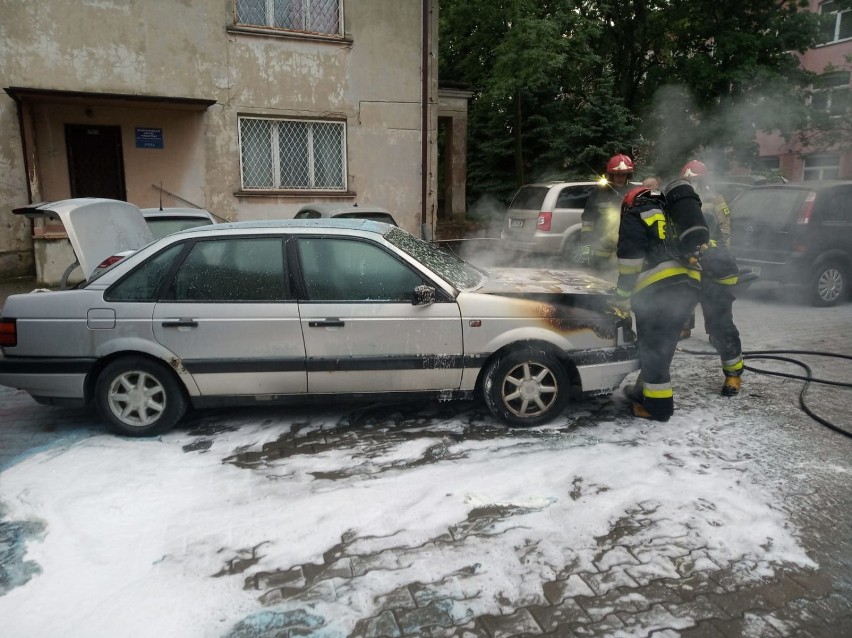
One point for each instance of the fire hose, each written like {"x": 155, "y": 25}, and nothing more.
{"x": 808, "y": 378}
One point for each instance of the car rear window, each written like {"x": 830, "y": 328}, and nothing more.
{"x": 529, "y": 197}
{"x": 162, "y": 226}
{"x": 574, "y": 196}
{"x": 307, "y": 214}
{"x": 376, "y": 217}
{"x": 776, "y": 207}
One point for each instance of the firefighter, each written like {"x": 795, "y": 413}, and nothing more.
{"x": 599, "y": 230}
{"x": 661, "y": 287}
{"x": 720, "y": 276}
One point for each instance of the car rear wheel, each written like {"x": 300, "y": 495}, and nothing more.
{"x": 139, "y": 397}
{"x": 572, "y": 251}
{"x": 828, "y": 284}
{"x": 526, "y": 387}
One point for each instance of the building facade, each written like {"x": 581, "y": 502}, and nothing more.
{"x": 832, "y": 94}
{"x": 248, "y": 108}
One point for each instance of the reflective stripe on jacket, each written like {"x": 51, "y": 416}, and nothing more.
{"x": 643, "y": 261}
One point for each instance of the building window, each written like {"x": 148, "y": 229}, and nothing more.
{"x": 277, "y": 154}
{"x": 822, "y": 166}
{"x": 838, "y": 22}
{"x": 769, "y": 164}
{"x": 830, "y": 93}
{"x": 309, "y": 16}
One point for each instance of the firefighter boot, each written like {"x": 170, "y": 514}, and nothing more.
{"x": 638, "y": 410}
{"x": 633, "y": 392}
{"x": 731, "y": 387}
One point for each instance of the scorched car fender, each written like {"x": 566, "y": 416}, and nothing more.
{"x": 130, "y": 346}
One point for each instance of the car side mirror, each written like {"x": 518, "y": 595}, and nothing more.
{"x": 423, "y": 296}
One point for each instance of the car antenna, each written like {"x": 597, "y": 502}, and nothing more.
{"x": 161, "y": 194}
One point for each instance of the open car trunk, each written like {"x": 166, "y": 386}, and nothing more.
{"x": 97, "y": 228}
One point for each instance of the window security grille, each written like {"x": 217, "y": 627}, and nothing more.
{"x": 292, "y": 154}
{"x": 312, "y": 16}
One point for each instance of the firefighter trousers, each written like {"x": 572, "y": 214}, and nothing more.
{"x": 717, "y": 302}
{"x": 660, "y": 313}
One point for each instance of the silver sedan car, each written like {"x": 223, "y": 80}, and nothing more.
{"x": 302, "y": 310}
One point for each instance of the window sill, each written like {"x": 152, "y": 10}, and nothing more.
{"x": 288, "y": 35}
{"x": 828, "y": 44}
{"x": 294, "y": 194}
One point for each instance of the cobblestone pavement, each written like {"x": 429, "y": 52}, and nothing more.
{"x": 684, "y": 591}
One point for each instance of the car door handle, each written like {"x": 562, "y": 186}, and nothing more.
{"x": 326, "y": 323}
{"x": 180, "y": 323}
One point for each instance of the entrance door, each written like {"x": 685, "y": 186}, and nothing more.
{"x": 95, "y": 161}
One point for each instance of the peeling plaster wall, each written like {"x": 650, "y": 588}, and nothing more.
{"x": 184, "y": 49}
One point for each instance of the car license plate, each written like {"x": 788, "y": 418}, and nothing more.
{"x": 516, "y": 223}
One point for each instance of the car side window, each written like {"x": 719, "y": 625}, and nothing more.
{"x": 837, "y": 207}
{"x": 337, "y": 269}
{"x": 232, "y": 270}
{"x": 574, "y": 196}
{"x": 143, "y": 283}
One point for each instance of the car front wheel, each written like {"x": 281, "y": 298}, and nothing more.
{"x": 828, "y": 284}
{"x": 139, "y": 397}
{"x": 526, "y": 387}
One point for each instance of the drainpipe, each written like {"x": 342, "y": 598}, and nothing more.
{"x": 19, "y": 107}
{"x": 426, "y": 229}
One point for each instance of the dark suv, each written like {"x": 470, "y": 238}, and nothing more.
{"x": 797, "y": 234}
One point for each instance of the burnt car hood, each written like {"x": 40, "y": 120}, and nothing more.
{"x": 97, "y": 228}
{"x": 540, "y": 281}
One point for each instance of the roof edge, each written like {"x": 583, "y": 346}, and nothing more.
{"x": 19, "y": 93}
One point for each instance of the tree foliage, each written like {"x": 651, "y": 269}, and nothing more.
{"x": 561, "y": 85}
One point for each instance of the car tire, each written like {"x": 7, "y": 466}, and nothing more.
{"x": 572, "y": 251}
{"x": 526, "y": 387}
{"x": 139, "y": 397}
{"x": 829, "y": 284}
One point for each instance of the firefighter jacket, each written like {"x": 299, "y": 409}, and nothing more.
{"x": 717, "y": 265}
{"x": 645, "y": 261}
{"x": 717, "y": 215}
{"x": 600, "y": 219}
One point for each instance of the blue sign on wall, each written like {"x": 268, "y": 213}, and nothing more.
{"x": 149, "y": 138}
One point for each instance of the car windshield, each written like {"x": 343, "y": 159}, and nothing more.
{"x": 460, "y": 274}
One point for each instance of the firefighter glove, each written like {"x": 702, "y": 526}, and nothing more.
{"x": 620, "y": 307}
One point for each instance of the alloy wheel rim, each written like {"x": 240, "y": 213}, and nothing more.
{"x": 830, "y": 284}
{"x": 529, "y": 390}
{"x": 137, "y": 398}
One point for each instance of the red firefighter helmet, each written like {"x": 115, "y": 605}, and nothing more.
{"x": 633, "y": 197}
{"x": 693, "y": 168}
{"x": 619, "y": 164}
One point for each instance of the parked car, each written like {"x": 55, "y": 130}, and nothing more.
{"x": 296, "y": 310}
{"x": 546, "y": 218}
{"x": 164, "y": 221}
{"x": 345, "y": 211}
{"x": 797, "y": 234}
{"x": 730, "y": 190}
